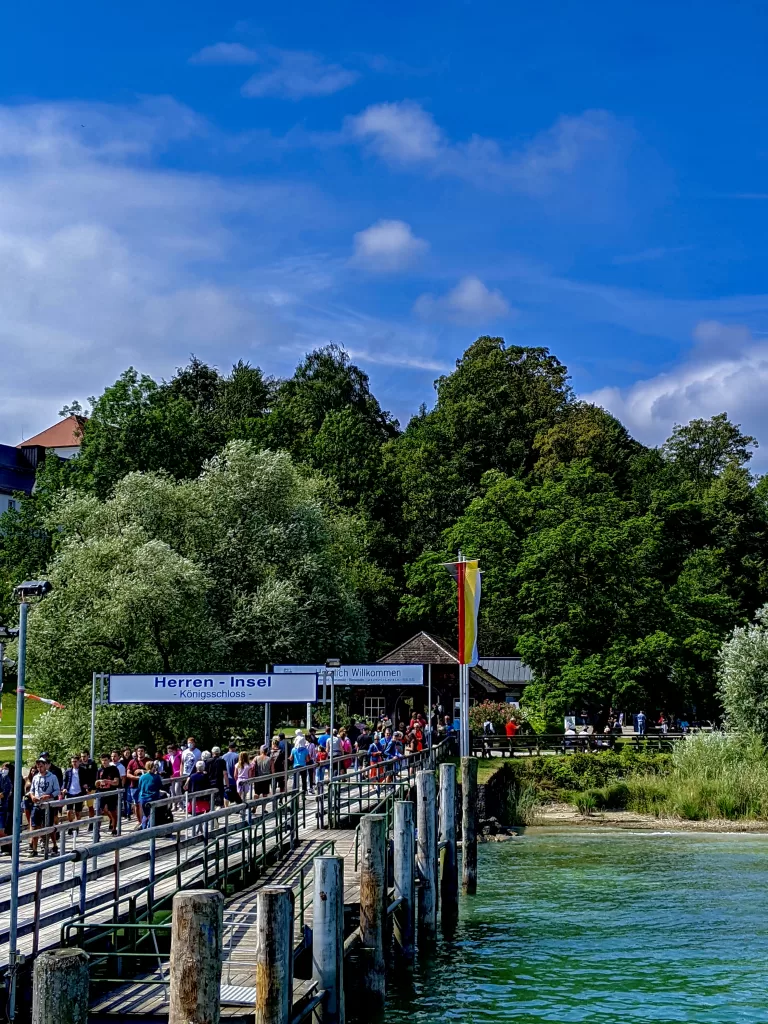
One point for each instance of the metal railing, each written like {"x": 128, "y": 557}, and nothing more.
{"x": 97, "y": 878}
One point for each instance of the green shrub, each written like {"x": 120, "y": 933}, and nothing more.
{"x": 522, "y": 804}
{"x": 586, "y": 802}
{"x": 616, "y": 796}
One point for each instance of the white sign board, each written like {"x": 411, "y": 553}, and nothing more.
{"x": 213, "y": 688}
{"x": 363, "y": 675}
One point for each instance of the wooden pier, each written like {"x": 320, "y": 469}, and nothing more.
{"x": 115, "y": 897}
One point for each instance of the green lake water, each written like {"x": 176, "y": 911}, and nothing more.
{"x": 604, "y": 926}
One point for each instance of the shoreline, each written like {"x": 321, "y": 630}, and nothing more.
{"x": 566, "y": 816}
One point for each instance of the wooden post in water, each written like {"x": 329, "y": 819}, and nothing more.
{"x": 404, "y": 874}
{"x": 449, "y": 864}
{"x": 274, "y": 955}
{"x": 469, "y": 824}
{"x": 328, "y": 935}
{"x": 426, "y": 853}
{"x": 60, "y": 987}
{"x": 196, "y": 945}
{"x": 373, "y": 893}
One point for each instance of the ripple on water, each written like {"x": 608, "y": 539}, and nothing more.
{"x": 601, "y": 926}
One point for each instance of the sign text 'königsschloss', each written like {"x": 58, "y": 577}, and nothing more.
{"x": 213, "y": 688}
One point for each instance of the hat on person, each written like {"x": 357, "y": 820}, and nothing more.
{"x": 216, "y": 751}
{"x": 299, "y": 732}
{"x": 44, "y": 756}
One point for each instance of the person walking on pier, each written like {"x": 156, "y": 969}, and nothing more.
{"x": 197, "y": 782}
{"x": 108, "y": 785}
{"x": 44, "y": 788}
{"x": 300, "y": 760}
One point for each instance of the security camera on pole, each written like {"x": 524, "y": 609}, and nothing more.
{"x": 25, "y": 592}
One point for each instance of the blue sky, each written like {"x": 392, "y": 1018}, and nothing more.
{"x": 251, "y": 181}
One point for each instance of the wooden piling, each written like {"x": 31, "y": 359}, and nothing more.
{"x": 196, "y": 949}
{"x": 274, "y": 955}
{"x": 449, "y": 865}
{"x": 373, "y": 893}
{"x": 60, "y": 987}
{"x": 328, "y": 935}
{"x": 405, "y": 869}
{"x": 426, "y": 853}
{"x": 469, "y": 824}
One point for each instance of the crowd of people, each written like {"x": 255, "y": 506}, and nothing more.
{"x": 131, "y": 781}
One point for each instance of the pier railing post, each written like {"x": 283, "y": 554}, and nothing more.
{"x": 449, "y": 865}
{"x": 60, "y": 987}
{"x": 328, "y": 935}
{"x": 469, "y": 824}
{"x": 405, "y": 870}
{"x": 274, "y": 955}
{"x": 373, "y": 838}
{"x": 426, "y": 853}
{"x": 196, "y": 945}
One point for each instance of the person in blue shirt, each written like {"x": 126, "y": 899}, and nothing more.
{"x": 150, "y": 788}
{"x": 230, "y": 759}
{"x": 300, "y": 760}
{"x": 641, "y": 723}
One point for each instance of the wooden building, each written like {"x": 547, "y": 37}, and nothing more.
{"x": 441, "y": 663}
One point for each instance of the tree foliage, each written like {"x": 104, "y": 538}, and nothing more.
{"x": 744, "y": 676}
{"x": 244, "y": 520}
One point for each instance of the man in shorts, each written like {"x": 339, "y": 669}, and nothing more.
{"x": 108, "y": 782}
{"x": 43, "y": 789}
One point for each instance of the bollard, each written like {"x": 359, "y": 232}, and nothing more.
{"x": 196, "y": 950}
{"x": 328, "y": 935}
{"x": 469, "y": 824}
{"x": 373, "y": 893}
{"x": 274, "y": 955}
{"x": 60, "y": 987}
{"x": 449, "y": 865}
{"x": 426, "y": 853}
{"x": 404, "y": 875}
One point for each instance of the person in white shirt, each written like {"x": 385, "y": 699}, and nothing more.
{"x": 190, "y": 757}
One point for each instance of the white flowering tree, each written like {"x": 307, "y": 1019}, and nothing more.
{"x": 743, "y": 684}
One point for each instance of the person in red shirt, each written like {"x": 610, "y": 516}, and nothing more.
{"x": 511, "y": 727}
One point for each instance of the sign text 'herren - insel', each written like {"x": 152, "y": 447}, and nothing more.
{"x": 213, "y": 688}
{"x": 364, "y": 675}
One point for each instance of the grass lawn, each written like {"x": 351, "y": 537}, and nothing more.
{"x": 32, "y": 711}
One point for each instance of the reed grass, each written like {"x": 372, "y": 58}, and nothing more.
{"x": 712, "y": 775}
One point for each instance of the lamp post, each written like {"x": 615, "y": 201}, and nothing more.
{"x": 25, "y": 592}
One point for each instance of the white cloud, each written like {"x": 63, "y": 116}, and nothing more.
{"x": 726, "y": 372}
{"x": 399, "y": 133}
{"x": 226, "y": 53}
{"x": 287, "y": 74}
{"x": 469, "y": 302}
{"x": 108, "y": 259}
{"x": 387, "y": 245}
{"x": 404, "y": 134}
{"x": 297, "y": 75}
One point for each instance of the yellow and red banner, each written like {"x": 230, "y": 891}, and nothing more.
{"x": 468, "y": 584}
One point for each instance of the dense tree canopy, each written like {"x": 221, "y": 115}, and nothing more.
{"x": 255, "y": 520}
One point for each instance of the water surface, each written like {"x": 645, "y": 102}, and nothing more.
{"x": 610, "y": 927}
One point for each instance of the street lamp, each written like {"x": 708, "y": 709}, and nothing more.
{"x": 25, "y": 592}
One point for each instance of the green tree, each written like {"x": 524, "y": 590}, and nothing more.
{"x": 488, "y": 414}
{"x": 248, "y": 563}
{"x": 702, "y": 449}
